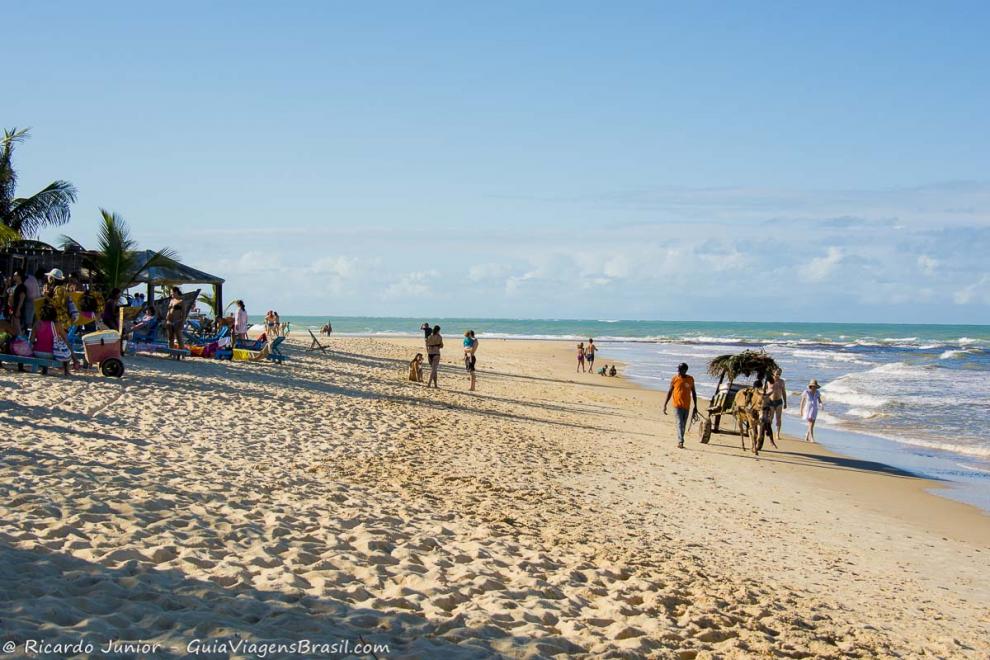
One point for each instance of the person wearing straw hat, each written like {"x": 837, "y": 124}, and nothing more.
{"x": 811, "y": 401}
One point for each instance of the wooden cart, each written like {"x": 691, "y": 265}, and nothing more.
{"x": 728, "y": 368}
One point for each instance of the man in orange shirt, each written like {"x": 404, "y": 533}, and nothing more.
{"x": 683, "y": 393}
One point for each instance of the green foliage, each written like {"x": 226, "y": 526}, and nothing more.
{"x": 210, "y": 301}
{"x": 116, "y": 262}
{"x": 25, "y": 216}
{"x": 742, "y": 364}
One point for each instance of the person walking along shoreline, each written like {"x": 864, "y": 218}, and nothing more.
{"x": 683, "y": 392}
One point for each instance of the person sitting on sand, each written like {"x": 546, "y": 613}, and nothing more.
{"x": 811, "y": 401}
{"x": 612, "y": 371}
{"x": 603, "y": 371}
{"x": 416, "y": 368}
{"x": 580, "y": 357}
{"x": 433, "y": 345}
{"x": 470, "y": 348}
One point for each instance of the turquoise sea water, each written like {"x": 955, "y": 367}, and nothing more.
{"x": 912, "y": 396}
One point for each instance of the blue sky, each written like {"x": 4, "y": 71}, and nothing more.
{"x": 755, "y": 161}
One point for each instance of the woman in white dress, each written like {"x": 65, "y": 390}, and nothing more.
{"x": 811, "y": 401}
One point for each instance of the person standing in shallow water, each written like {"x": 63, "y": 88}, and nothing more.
{"x": 776, "y": 391}
{"x": 433, "y": 345}
{"x": 811, "y": 401}
{"x": 683, "y": 393}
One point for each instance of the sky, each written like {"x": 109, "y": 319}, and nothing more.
{"x": 749, "y": 161}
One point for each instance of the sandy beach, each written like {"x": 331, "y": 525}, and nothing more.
{"x": 548, "y": 514}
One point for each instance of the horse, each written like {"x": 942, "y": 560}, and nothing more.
{"x": 751, "y": 408}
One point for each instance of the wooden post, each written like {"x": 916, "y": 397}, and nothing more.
{"x": 218, "y": 299}
{"x": 718, "y": 418}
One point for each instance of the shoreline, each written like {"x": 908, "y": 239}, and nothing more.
{"x": 850, "y": 443}
{"x": 905, "y": 503}
{"x": 547, "y": 514}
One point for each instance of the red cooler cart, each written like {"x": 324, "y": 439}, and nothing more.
{"x": 103, "y": 348}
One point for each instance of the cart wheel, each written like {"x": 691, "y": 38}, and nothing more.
{"x": 112, "y": 368}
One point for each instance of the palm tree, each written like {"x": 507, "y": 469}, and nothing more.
{"x": 25, "y": 216}
{"x": 117, "y": 263}
{"x": 210, "y": 301}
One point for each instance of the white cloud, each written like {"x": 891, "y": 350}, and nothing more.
{"x": 927, "y": 264}
{"x": 415, "y": 284}
{"x": 976, "y": 292}
{"x": 342, "y": 267}
{"x": 821, "y": 267}
{"x": 487, "y": 271}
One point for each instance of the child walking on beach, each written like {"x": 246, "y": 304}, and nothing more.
{"x": 811, "y": 401}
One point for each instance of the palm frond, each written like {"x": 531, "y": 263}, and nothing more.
{"x": 46, "y": 208}
{"x": 210, "y": 301}
{"x": 742, "y": 364}
{"x": 8, "y": 177}
{"x": 8, "y": 235}
{"x": 117, "y": 262}
{"x": 12, "y": 135}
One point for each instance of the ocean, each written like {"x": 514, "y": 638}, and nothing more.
{"x": 910, "y": 396}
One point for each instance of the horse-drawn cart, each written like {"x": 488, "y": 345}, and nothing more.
{"x": 727, "y": 368}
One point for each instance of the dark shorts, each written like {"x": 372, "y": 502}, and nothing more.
{"x": 591, "y": 357}
{"x": 776, "y": 403}
{"x": 469, "y": 362}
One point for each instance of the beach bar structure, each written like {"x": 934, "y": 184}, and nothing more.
{"x": 174, "y": 273}
{"x": 30, "y": 256}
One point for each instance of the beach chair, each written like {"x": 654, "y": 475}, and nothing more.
{"x": 275, "y": 353}
{"x": 315, "y": 345}
{"x": 267, "y": 351}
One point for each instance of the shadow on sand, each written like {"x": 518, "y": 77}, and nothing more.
{"x": 58, "y": 598}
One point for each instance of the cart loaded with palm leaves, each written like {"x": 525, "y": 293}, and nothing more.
{"x": 728, "y": 368}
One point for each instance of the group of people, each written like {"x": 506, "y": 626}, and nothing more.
{"x": 434, "y": 343}
{"x": 586, "y": 355}
{"x": 40, "y": 308}
{"x": 683, "y": 394}
{"x": 274, "y": 326}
